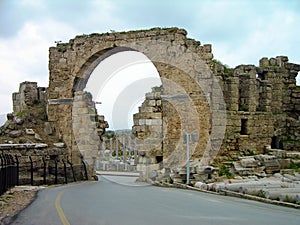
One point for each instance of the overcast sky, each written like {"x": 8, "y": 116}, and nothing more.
{"x": 241, "y": 32}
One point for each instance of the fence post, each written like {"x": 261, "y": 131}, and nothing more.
{"x": 2, "y": 189}
{"x": 85, "y": 170}
{"x": 17, "y": 170}
{"x": 65, "y": 170}
{"x": 44, "y": 172}
{"x": 55, "y": 161}
{"x": 12, "y": 171}
{"x": 31, "y": 171}
{"x": 5, "y": 172}
{"x": 72, "y": 169}
{"x": 8, "y": 173}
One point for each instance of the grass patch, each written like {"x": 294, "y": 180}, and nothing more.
{"x": 294, "y": 167}
{"x": 169, "y": 180}
{"x": 225, "y": 171}
{"x": 227, "y": 69}
{"x": 22, "y": 113}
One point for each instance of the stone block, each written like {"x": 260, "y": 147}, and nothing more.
{"x": 207, "y": 48}
{"x": 148, "y": 109}
{"x": 293, "y": 155}
{"x": 151, "y": 102}
{"x": 81, "y": 111}
{"x": 278, "y": 153}
{"x": 15, "y": 133}
{"x": 18, "y": 120}
{"x": 141, "y": 121}
{"x": 153, "y": 122}
{"x": 59, "y": 145}
{"x": 48, "y": 129}
{"x": 284, "y": 163}
{"x": 150, "y": 96}
{"x": 29, "y": 131}
{"x": 273, "y": 62}
{"x": 37, "y": 137}
{"x": 249, "y": 162}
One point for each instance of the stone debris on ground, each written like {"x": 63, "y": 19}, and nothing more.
{"x": 284, "y": 188}
{"x": 15, "y": 200}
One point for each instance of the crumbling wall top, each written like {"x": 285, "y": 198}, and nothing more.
{"x": 156, "y": 31}
{"x": 114, "y": 39}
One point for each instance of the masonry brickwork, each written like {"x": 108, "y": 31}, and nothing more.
{"x": 262, "y": 108}
{"x": 72, "y": 63}
{"x": 228, "y": 112}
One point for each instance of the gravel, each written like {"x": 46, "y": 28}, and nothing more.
{"x": 14, "y": 201}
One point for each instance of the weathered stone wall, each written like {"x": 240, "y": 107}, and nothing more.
{"x": 28, "y": 135}
{"x": 262, "y": 108}
{"x": 72, "y": 63}
{"x": 28, "y": 95}
{"x": 84, "y": 125}
{"x": 262, "y": 103}
{"x": 147, "y": 128}
{"x": 185, "y": 109}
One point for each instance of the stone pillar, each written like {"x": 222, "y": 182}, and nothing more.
{"x": 84, "y": 131}
{"x": 117, "y": 148}
{"x": 247, "y": 88}
{"x": 26, "y": 97}
{"x": 265, "y": 96}
{"x": 232, "y": 93}
{"x": 272, "y": 71}
{"x": 148, "y": 131}
{"x": 124, "y": 149}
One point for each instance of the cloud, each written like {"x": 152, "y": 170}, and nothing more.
{"x": 25, "y": 57}
{"x": 268, "y": 42}
{"x": 243, "y": 32}
{"x": 147, "y": 14}
{"x": 29, "y": 28}
{"x": 2, "y": 119}
{"x": 84, "y": 16}
{"x": 15, "y": 13}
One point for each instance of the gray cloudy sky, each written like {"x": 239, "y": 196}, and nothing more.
{"x": 241, "y": 32}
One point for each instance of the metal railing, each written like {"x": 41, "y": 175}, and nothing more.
{"x": 38, "y": 170}
{"x": 9, "y": 172}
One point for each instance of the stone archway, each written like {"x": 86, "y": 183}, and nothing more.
{"x": 72, "y": 63}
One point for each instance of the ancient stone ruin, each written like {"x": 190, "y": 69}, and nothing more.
{"x": 242, "y": 120}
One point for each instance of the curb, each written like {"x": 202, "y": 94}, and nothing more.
{"x": 113, "y": 173}
{"x": 229, "y": 193}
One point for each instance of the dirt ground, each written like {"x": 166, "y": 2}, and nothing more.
{"x": 14, "y": 201}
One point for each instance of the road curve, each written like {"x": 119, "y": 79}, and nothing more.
{"x": 120, "y": 201}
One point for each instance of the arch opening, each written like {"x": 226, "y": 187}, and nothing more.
{"x": 114, "y": 87}
{"x": 119, "y": 83}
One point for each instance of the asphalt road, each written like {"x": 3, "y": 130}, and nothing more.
{"x": 123, "y": 202}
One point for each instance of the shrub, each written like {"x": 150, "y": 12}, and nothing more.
{"x": 225, "y": 171}
{"x": 21, "y": 113}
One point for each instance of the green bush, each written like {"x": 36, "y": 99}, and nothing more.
{"x": 21, "y": 113}
{"x": 294, "y": 166}
{"x": 225, "y": 171}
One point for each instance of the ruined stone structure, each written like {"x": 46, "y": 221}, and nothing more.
{"x": 181, "y": 62}
{"x": 28, "y": 136}
{"x": 28, "y": 95}
{"x": 262, "y": 108}
{"x": 227, "y": 113}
